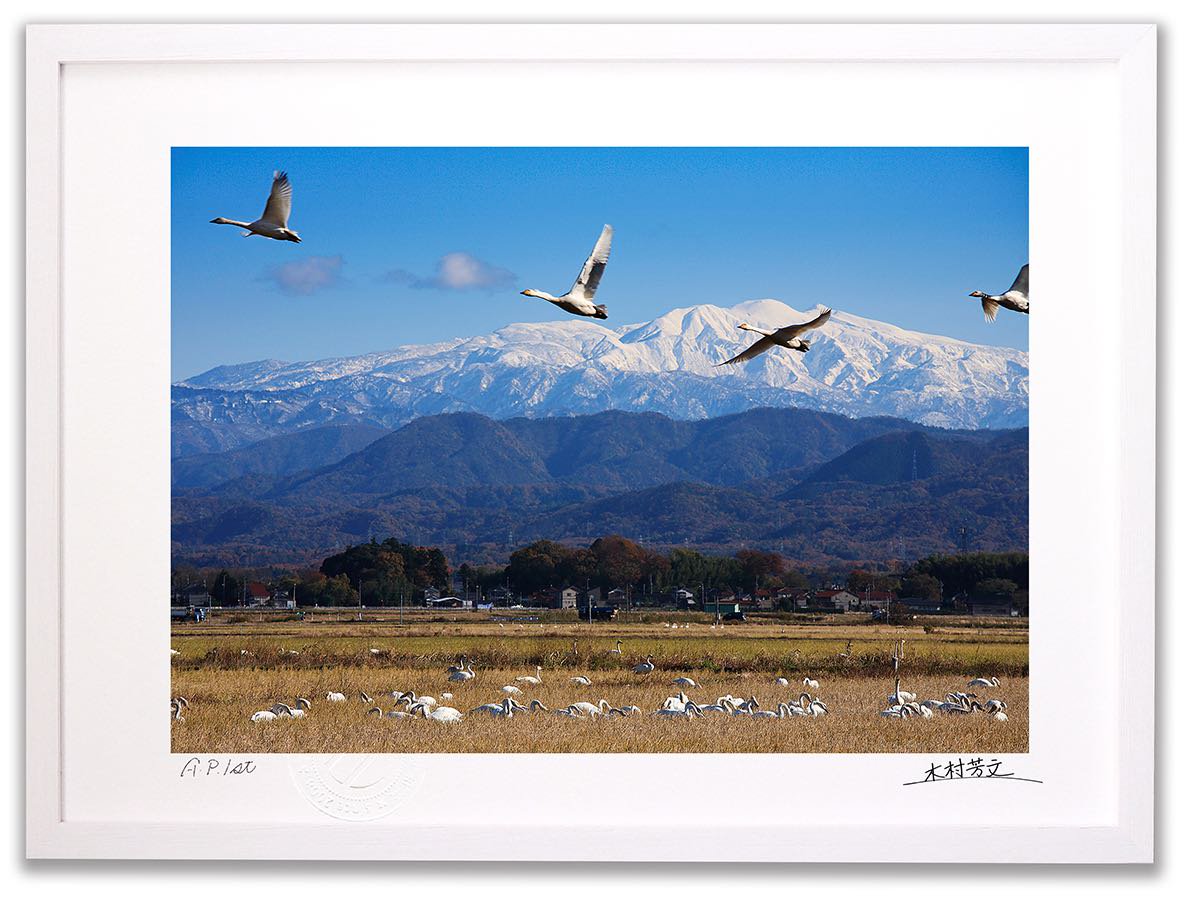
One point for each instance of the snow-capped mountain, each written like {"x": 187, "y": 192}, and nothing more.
{"x": 856, "y": 367}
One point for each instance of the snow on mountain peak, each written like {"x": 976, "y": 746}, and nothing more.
{"x": 856, "y": 367}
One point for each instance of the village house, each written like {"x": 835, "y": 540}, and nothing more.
{"x": 922, "y": 604}
{"x": 842, "y": 600}
{"x": 257, "y": 594}
{"x": 992, "y": 606}
{"x": 196, "y": 595}
{"x": 568, "y": 598}
{"x": 283, "y": 598}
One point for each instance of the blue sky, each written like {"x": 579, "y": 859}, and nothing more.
{"x": 414, "y": 245}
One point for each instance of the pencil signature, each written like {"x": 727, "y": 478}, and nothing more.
{"x": 197, "y": 767}
{"x": 965, "y": 770}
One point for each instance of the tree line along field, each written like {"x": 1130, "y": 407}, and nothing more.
{"x": 233, "y": 665}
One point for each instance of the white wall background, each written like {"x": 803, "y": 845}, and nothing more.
{"x": 1179, "y": 52}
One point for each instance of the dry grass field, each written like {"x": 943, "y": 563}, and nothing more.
{"x": 228, "y": 670}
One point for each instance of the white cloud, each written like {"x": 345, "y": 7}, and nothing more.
{"x": 309, "y": 275}
{"x": 457, "y": 272}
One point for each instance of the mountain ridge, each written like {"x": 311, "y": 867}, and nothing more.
{"x": 815, "y": 485}
{"x": 857, "y": 367}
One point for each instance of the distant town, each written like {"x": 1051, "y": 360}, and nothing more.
{"x": 613, "y": 576}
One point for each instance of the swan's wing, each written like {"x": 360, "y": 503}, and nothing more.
{"x": 593, "y": 268}
{"x": 792, "y": 331}
{"x": 1021, "y": 285}
{"x": 762, "y": 345}
{"x": 990, "y": 308}
{"x": 279, "y": 204}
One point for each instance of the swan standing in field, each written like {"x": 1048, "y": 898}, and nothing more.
{"x": 579, "y": 300}
{"x": 463, "y": 674}
{"x": 335, "y": 697}
{"x": 176, "y": 711}
{"x": 684, "y": 681}
{"x": 995, "y": 706}
{"x": 984, "y": 682}
{"x": 273, "y": 223}
{"x": 644, "y": 668}
{"x": 679, "y": 701}
{"x": 780, "y": 712}
{"x": 502, "y": 710}
{"x": 592, "y": 709}
{"x": 530, "y": 679}
{"x": 444, "y": 714}
{"x": 295, "y": 712}
{"x": 174, "y": 652}
{"x": 781, "y": 681}
{"x": 278, "y": 711}
{"x": 788, "y": 337}
{"x": 616, "y": 651}
{"x": 363, "y": 696}
{"x": 811, "y": 683}
{"x": 1015, "y": 298}
{"x": 461, "y": 667}
{"x": 511, "y": 689}
{"x": 688, "y": 712}
{"x": 581, "y": 679}
{"x": 846, "y": 654}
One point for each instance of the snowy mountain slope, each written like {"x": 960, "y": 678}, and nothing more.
{"x": 856, "y": 367}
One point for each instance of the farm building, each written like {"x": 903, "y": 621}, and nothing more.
{"x": 257, "y": 594}
{"x": 922, "y": 604}
{"x": 499, "y": 595}
{"x": 790, "y": 598}
{"x": 684, "y": 599}
{"x": 447, "y": 603}
{"x": 992, "y": 606}
{"x": 195, "y": 595}
{"x": 842, "y": 600}
{"x": 568, "y": 598}
{"x": 874, "y": 599}
{"x": 728, "y": 606}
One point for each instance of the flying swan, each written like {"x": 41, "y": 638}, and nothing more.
{"x": 579, "y": 299}
{"x": 273, "y": 223}
{"x": 788, "y": 337}
{"x": 1015, "y": 298}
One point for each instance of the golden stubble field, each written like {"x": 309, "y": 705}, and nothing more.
{"x": 228, "y": 672}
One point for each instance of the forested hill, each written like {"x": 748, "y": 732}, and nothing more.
{"x": 815, "y": 486}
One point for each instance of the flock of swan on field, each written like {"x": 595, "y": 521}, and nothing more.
{"x": 580, "y": 299}
{"x": 905, "y": 705}
{"x": 408, "y": 705}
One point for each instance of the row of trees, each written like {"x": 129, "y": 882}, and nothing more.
{"x": 383, "y": 573}
{"x": 616, "y": 561}
{"x": 378, "y": 573}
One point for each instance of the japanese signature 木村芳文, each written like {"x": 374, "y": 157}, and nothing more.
{"x": 965, "y": 769}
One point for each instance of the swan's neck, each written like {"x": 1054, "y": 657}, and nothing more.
{"x": 541, "y": 295}
{"x": 756, "y": 330}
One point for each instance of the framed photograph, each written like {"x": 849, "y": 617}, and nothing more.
{"x": 591, "y": 442}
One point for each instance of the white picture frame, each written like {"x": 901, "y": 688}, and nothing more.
{"x": 60, "y": 511}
